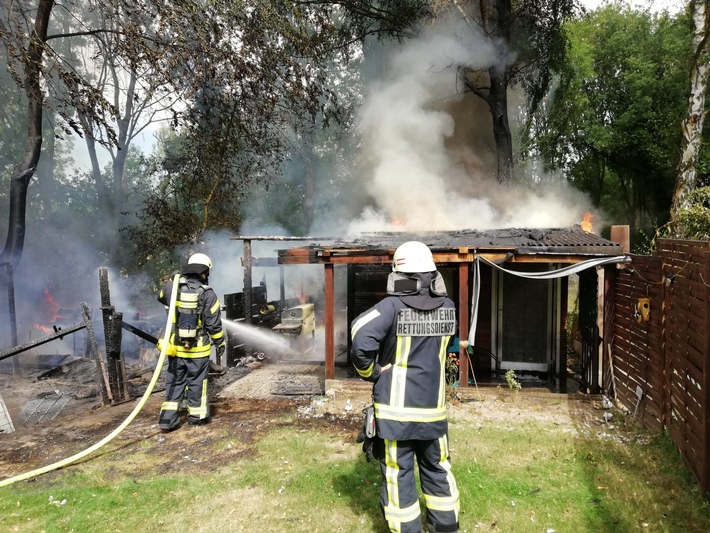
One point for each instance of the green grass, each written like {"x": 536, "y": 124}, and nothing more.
{"x": 529, "y": 477}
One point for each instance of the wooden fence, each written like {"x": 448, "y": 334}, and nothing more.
{"x": 657, "y": 364}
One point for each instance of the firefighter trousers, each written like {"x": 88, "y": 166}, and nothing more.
{"x": 185, "y": 378}
{"x": 399, "y": 500}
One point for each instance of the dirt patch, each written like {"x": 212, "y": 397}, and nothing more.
{"x": 246, "y": 402}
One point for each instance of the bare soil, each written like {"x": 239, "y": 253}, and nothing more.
{"x": 245, "y": 402}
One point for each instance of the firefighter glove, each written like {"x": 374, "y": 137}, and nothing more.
{"x": 220, "y": 350}
{"x": 370, "y": 446}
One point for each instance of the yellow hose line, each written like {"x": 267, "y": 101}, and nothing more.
{"x": 136, "y": 410}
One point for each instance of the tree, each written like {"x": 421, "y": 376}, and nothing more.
{"x": 612, "y": 123}
{"x": 692, "y": 126}
{"x": 139, "y": 100}
{"x": 32, "y": 56}
{"x": 242, "y": 70}
{"x": 530, "y": 44}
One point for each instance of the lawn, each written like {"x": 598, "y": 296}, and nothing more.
{"x": 523, "y": 464}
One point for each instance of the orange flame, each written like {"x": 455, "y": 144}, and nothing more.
{"x": 49, "y": 311}
{"x": 587, "y": 223}
{"x": 397, "y": 221}
{"x": 51, "y": 305}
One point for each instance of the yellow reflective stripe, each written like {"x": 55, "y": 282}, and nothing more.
{"x": 170, "y": 406}
{"x": 187, "y": 332}
{"x": 452, "y": 503}
{"x": 391, "y": 474}
{"x": 410, "y": 414}
{"x": 395, "y": 516}
{"x": 362, "y": 321}
{"x": 217, "y": 336}
{"x": 367, "y": 372}
{"x": 399, "y": 372}
{"x": 442, "y": 375}
{"x": 442, "y": 503}
{"x": 200, "y": 411}
{"x": 215, "y": 307}
{"x": 194, "y": 353}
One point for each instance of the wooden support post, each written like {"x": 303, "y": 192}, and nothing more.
{"x": 112, "y": 339}
{"x": 607, "y": 333}
{"x": 463, "y": 305}
{"x": 596, "y": 366}
{"x": 247, "y": 293}
{"x": 620, "y": 234}
{"x": 329, "y": 322}
{"x": 102, "y": 380}
{"x": 562, "y": 353}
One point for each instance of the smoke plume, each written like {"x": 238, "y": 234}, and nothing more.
{"x": 428, "y": 162}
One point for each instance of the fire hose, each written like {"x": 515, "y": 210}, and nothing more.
{"x": 108, "y": 438}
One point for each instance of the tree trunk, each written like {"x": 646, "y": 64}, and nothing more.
{"x": 692, "y": 126}
{"x": 501, "y": 129}
{"x": 309, "y": 192}
{"x": 496, "y": 18}
{"x": 23, "y": 173}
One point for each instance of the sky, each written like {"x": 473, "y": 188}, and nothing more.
{"x": 656, "y": 5}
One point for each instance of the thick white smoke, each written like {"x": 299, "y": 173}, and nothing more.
{"x": 424, "y": 164}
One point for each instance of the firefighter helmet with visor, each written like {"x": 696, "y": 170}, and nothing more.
{"x": 413, "y": 256}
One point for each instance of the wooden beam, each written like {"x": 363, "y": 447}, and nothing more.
{"x": 329, "y": 322}
{"x": 464, "y": 306}
{"x": 339, "y": 257}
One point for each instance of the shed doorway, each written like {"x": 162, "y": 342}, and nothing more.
{"x": 524, "y": 317}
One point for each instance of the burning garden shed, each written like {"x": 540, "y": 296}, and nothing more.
{"x": 513, "y": 283}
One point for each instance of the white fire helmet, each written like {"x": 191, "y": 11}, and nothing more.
{"x": 200, "y": 259}
{"x": 413, "y": 256}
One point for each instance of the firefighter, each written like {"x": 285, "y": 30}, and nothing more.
{"x": 400, "y": 345}
{"x": 197, "y": 324}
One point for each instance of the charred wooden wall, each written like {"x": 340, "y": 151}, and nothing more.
{"x": 661, "y": 367}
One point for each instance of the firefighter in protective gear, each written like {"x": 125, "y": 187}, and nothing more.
{"x": 189, "y": 361}
{"x": 400, "y": 345}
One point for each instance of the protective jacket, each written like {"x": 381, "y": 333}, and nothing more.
{"x": 186, "y": 376}
{"x": 209, "y": 321}
{"x": 412, "y": 333}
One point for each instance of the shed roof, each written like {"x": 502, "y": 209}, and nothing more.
{"x": 552, "y": 245}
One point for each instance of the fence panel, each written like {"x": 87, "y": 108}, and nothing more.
{"x": 661, "y": 367}
{"x": 686, "y": 350}
{"x": 638, "y": 343}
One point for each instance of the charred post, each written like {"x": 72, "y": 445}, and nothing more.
{"x": 102, "y": 380}
{"x": 112, "y": 331}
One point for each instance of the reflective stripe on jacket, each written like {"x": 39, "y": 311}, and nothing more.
{"x": 410, "y": 397}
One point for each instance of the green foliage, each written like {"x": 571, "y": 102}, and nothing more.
{"x": 693, "y": 221}
{"x": 512, "y": 380}
{"x": 613, "y": 122}
{"x": 256, "y": 128}
{"x": 452, "y": 368}
{"x": 237, "y": 79}
{"x": 643, "y": 243}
